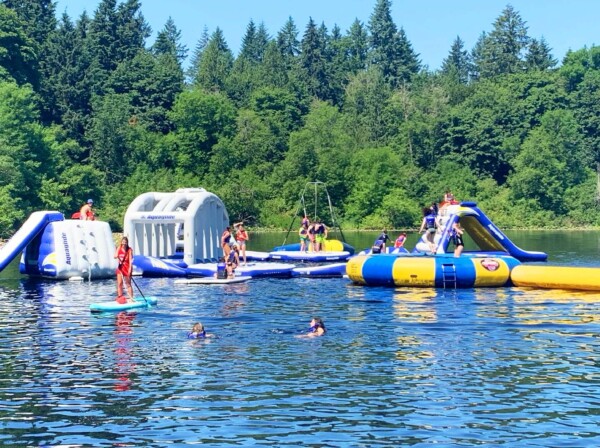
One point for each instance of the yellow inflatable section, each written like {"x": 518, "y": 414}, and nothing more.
{"x": 556, "y": 277}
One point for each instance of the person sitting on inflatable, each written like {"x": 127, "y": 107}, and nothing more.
{"x": 86, "y": 213}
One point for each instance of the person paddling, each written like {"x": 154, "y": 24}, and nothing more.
{"x": 124, "y": 255}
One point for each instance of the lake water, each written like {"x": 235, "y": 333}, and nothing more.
{"x": 397, "y": 367}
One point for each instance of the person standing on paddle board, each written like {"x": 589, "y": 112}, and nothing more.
{"x": 124, "y": 255}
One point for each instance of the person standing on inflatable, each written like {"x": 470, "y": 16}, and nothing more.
{"x": 124, "y": 255}
{"x": 87, "y": 213}
{"x": 241, "y": 236}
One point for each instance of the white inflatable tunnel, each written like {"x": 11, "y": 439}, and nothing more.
{"x": 187, "y": 223}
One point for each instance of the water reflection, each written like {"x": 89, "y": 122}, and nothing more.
{"x": 124, "y": 365}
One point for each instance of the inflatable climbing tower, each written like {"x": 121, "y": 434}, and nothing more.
{"x": 186, "y": 224}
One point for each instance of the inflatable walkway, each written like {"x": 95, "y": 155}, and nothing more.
{"x": 489, "y": 239}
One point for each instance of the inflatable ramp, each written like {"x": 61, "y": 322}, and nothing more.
{"x": 53, "y": 247}
{"x": 488, "y": 238}
{"x": 26, "y": 234}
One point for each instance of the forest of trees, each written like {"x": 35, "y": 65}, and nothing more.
{"x": 89, "y": 109}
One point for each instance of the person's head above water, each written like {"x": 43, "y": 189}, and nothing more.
{"x": 316, "y": 323}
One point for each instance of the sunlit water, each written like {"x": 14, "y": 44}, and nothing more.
{"x": 397, "y": 367}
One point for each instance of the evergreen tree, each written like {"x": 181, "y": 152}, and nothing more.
{"x": 457, "y": 64}
{"x": 245, "y": 76}
{"x": 391, "y": 51}
{"x": 38, "y": 16}
{"x": 313, "y": 62}
{"x": 287, "y": 39}
{"x": 357, "y": 47}
{"x": 254, "y": 43}
{"x": 132, "y": 30}
{"x": 18, "y": 52}
{"x": 215, "y": 64}
{"x": 539, "y": 56}
{"x": 168, "y": 41}
{"x": 273, "y": 70}
{"x": 151, "y": 84}
{"x": 65, "y": 87}
{"x": 194, "y": 67}
{"x": 501, "y": 51}
{"x": 409, "y": 64}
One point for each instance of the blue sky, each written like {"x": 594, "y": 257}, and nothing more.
{"x": 431, "y": 26}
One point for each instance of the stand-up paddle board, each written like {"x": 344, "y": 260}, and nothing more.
{"x": 139, "y": 302}
{"x": 212, "y": 280}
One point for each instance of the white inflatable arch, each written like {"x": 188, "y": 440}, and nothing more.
{"x": 190, "y": 219}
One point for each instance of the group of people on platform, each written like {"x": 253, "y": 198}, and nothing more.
{"x": 312, "y": 235}
{"x": 429, "y": 225}
{"x": 232, "y": 244}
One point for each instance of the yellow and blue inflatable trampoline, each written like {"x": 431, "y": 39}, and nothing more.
{"x": 438, "y": 271}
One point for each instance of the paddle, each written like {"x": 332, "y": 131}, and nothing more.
{"x": 138, "y": 288}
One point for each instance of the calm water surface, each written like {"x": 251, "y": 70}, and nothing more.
{"x": 398, "y": 367}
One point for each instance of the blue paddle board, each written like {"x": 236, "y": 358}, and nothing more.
{"x": 139, "y": 302}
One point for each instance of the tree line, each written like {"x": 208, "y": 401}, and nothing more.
{"x": 89, "y": 109}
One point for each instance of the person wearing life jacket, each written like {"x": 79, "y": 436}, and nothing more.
{"x": 379, "y": 244}
{"x": 124, "y": 255}
{"x": 233, "y": 261}
{"x": 429, "y": 225}
{"x": 317, "y": 328}
{"x": 198, "y": 332}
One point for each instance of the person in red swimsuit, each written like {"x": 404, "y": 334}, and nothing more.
{"x": 124, "y": 255}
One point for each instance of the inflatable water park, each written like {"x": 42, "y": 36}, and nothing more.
{"x": 177, "y": 234}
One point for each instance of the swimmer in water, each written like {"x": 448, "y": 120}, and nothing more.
{"x": 317, "y": 328}
{"x": 198, "y": 332}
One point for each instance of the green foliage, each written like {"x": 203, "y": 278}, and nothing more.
{"x": 200, "y": 120}
{"x": 551, "y": 161}
{"x": 17, "y": 49}
{"x": 11, "y": 211}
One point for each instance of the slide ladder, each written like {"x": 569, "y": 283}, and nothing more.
{"x": 449, "y": 275}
